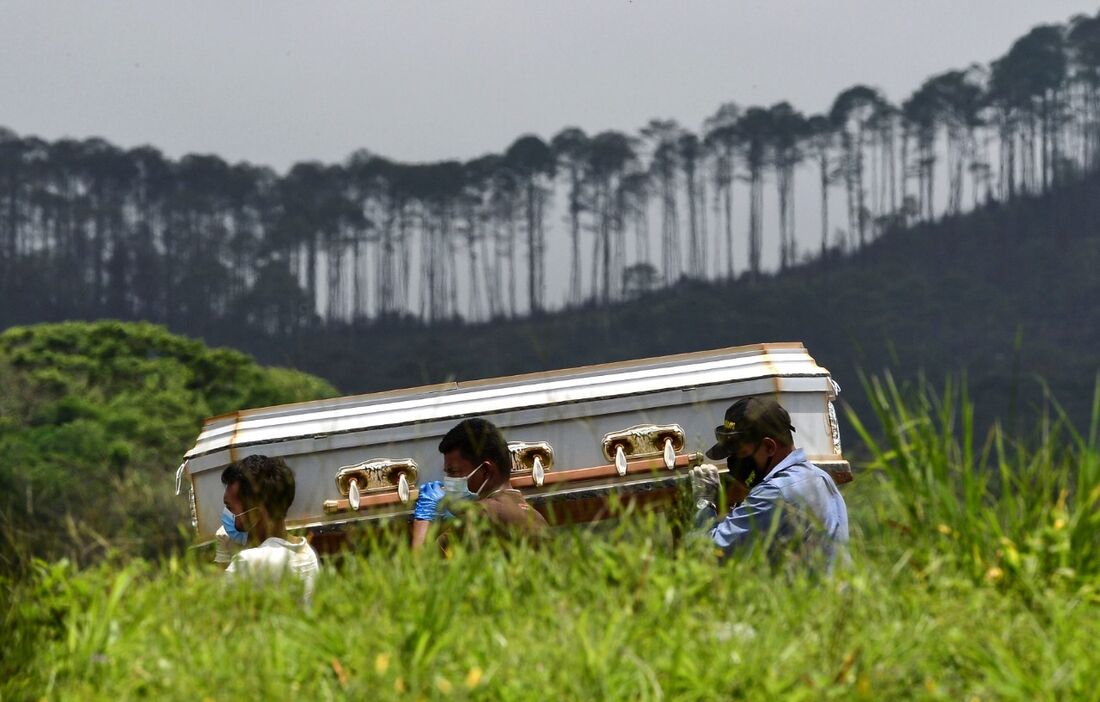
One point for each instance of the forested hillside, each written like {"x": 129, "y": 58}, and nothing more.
{"x": 90, "y": 230}
{"x": 94, "y": 419}
{"x": 1006, "y": 294}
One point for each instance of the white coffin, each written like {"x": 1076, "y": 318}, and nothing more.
{"x": 570, "y": 409}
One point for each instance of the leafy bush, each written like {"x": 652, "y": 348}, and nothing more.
{"x": 94, "y": 418}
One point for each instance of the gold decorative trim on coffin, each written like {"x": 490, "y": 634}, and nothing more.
{"x": 532, "y": 458}
{"x": 643, "y": 441}
{"x": 372, "y": 477}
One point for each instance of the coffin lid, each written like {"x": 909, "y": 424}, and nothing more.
{"x": 481, "y": 397}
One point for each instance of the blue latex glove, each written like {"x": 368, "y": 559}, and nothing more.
{"x": 427, "y": 502}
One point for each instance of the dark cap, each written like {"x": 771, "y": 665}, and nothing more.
{"x": 749, "y": 419}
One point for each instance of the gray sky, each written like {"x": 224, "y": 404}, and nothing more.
{"x": 275, "y": 82}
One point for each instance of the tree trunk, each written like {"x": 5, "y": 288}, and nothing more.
{"x": 728, "y": 203}
{"x": 823, "y": 164}
{"x": 695, "y": 256}
{"x": 575, "y": 294}
{"x": 533, "y": 302}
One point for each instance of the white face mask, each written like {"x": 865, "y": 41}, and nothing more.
{"x": 455, "y": 486}
{"x": 460, "y": 486}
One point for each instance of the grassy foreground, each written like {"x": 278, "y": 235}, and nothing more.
{"x": 976, "y": 575}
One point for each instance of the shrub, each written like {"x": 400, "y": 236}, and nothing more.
{"x": 94, "y": 418}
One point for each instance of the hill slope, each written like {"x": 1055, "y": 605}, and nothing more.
{"x": 1005, "y": 294}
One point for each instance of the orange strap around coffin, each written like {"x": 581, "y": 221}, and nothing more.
{"x": 648, "y": 465}
{"x": 380, "y": 499}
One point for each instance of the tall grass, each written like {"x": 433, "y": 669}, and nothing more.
{"x": 974, "y": 577}
{"x": 998, "y": 505}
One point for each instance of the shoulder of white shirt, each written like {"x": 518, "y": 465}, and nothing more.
{"x": 290, "y": 542}
{"x": 274, "y": 543}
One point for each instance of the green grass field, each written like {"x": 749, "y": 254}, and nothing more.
{"x": 975, "y": 575}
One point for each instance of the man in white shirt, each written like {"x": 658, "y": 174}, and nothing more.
{"x": 258, "y": 492}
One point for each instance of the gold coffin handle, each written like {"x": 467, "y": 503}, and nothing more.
{"x": 532, "y": 458}
{"x": 373, "y": 478}
{"x": 643, "y": 441}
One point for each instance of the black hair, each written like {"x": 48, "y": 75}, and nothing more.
{"x": 479, "y": 440}
{"x": 234, "y": 474}
{"x": 784, "y": 437}
{"x": 262, "y": 480}
{"x": 781, "y": 436}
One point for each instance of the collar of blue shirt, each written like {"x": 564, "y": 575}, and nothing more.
{"x": 794, "y": 458}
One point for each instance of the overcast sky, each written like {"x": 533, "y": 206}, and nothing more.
{"x": 277, "y": 82}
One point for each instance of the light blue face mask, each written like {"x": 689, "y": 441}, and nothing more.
{"x": 229, "y": 521}
{"x": 460, "y": 486}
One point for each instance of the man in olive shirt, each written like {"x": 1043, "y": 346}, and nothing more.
{"x": 477, "y": 466}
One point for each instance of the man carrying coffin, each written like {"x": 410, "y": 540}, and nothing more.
{"x": 258, "y": 492}
{"x": 477, "y": 466}
{"x": 793, "y": 508}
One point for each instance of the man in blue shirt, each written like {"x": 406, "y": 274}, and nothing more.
{"x": 793, "y": 509}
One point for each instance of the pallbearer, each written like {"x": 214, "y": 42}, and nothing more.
{"x": 258, "y": 492}
{"x": 476, "y": 467}
{"x": 793, "y": 508}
